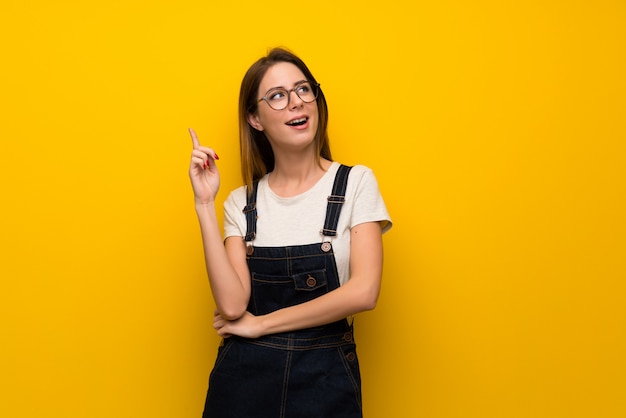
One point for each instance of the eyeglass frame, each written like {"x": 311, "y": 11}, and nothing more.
{"x": 298, "y": 84}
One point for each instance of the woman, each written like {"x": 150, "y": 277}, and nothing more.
{"x": 302, "y": 254}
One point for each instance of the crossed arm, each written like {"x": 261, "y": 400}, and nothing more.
{"x": 359, "y": 293}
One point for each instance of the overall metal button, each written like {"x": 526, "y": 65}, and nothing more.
{"x": 310, "y": 281}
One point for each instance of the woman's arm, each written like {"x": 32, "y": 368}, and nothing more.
{"x": 358, "y": 294}
{"x": 226, "y": 266}
{"x": 225, "y": 262}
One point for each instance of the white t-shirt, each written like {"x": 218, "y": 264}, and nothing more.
{"x": 298, "y": 220}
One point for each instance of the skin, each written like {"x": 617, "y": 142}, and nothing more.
{"x": 296, "y": 170}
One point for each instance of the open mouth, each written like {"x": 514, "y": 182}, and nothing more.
{"x": 297, "y": 122}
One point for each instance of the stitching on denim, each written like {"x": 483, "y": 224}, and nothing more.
{"x": 283, "y": 406}
{"x": 287, "y": 258}
{"x": 225, "y": 349}
{"x": 348, "y": 368}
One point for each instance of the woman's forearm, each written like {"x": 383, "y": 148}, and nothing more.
{"x": 230, "y": 290}
{"x": 358, "y": 294}
{"x": 349, "y": 299}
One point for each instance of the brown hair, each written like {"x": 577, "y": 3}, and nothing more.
{"x": 257, "y": 157}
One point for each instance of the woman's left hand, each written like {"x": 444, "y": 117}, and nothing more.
{"x": 247, "y": 326}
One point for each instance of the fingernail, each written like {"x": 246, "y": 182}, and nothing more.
{"x": 215, "y": 157}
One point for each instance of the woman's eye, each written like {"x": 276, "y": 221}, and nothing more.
{"x": 277, "y": 95}
{"x": 303, "y": 89}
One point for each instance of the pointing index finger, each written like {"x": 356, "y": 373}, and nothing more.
{"x": 194, "y": 138}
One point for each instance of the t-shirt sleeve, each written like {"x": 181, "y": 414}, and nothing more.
{"x": 234, "y": 218}
{"x": 369, "y": 205}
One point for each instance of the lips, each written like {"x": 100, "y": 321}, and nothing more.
{"x": 299, "y": 121}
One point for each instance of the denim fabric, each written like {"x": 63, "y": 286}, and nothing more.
{"x": 300, "y": 374}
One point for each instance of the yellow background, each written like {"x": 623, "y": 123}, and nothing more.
{"x": 496, "y": 130}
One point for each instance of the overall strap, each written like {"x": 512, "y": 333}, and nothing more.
{"x": 251, "y": 213}
{"x": 335, "y": 201}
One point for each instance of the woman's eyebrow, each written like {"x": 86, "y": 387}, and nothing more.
{"x": 283, "y": 87}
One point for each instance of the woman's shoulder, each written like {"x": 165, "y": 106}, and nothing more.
{"x": 360, "y": 173}
{"x": 236, "y": 198}
{"x": 354, "y": 168}
{"x": 360, "y": 169}
{"x": 238, "y": 192}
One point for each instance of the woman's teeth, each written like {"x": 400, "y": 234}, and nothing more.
{"x": 297, "y": 122}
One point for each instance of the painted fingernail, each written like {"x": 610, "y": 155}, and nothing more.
{"x": 215, "y": 157}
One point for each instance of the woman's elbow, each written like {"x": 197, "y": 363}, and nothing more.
{"x": 369, "y": 304}
{"x": 368, "y": 299}
{"x": 232, "y": 312}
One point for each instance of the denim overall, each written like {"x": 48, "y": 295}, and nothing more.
{"x": 306, "y": 373}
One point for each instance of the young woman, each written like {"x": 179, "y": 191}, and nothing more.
{"x": 302, "y": 254}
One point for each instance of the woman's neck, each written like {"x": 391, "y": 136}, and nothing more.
{"x": 293, "y": 176}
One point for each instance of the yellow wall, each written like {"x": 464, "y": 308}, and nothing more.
{"x": 497, "y": 132}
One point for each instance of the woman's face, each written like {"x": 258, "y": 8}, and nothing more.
{"x": 295, "y": 125}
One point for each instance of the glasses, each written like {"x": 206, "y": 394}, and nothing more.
{"x": 278, "y": 98}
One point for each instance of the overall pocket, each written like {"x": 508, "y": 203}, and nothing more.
{"x": 270, "y": 293}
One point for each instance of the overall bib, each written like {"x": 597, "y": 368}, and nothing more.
{"x": 306, "y": 373}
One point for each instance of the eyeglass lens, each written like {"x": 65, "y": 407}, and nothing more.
{"x": 278, "y": 98}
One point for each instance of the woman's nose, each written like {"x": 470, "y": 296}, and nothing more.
{"x": 296, "y": 102}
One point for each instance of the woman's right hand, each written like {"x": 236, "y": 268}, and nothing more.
{"x": 203, "y": 172}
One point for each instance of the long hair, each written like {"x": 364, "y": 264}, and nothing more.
{"x": 257, "y": 157}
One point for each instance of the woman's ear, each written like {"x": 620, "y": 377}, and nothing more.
{"x": 254, "y": 121}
